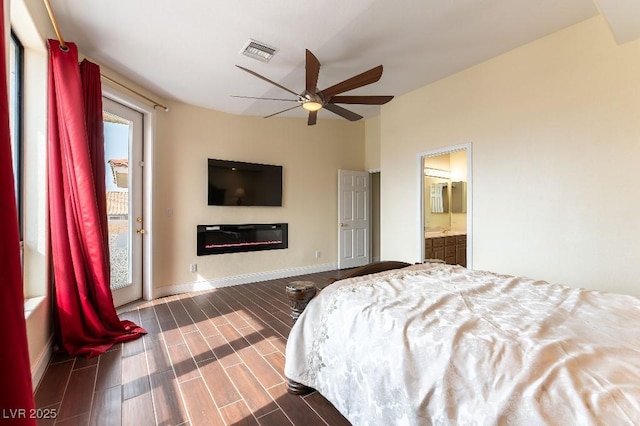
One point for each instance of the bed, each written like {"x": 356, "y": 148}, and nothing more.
{"x": 440, "y": 344}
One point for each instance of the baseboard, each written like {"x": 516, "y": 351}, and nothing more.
{"x": 242, "y": 279}
{"x": 37, "y": 371}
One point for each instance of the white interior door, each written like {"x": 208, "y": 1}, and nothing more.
{"x": 123, "y": 132}
{"x": 353, "y": 219}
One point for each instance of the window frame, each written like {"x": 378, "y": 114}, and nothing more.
{"x": 16, "y": 110}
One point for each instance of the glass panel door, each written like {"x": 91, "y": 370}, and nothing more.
{"x": 123, "y": 179}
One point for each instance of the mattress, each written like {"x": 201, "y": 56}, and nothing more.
{"x": 441, "y": 344}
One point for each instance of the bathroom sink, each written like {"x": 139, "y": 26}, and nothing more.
{"x": 441, "y": 233}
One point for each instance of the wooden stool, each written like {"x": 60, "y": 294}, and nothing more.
{"x": 299, "y": 294}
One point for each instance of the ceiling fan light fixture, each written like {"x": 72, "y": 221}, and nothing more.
{"x": 311, "y": 106}
{"x": 313, "y": 100}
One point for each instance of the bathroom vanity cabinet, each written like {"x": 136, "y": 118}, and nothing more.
{"x": 450, "y": 248}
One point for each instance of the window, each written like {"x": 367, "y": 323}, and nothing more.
{"x": 15, "y": 116}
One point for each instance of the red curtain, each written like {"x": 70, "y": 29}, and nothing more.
{"x": 92, "y": 89}
{"x": 16, "y": 393}
{"x": 87, "y": 322}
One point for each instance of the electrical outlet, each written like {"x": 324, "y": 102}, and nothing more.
{"x": 317, "y": 254}
{"x": 193, "y": 267}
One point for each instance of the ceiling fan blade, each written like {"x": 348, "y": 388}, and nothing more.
{"x": 364, "y": 100}
{"x": 266, "y": 79}
{"x": 280, "y": 112}
{"x": 266, "y": 99}
{"x": 342, "y": 112}
{"x": 313, "y": 117}
{"x": 354, "y": 82}
{"x": 312, "y": 70}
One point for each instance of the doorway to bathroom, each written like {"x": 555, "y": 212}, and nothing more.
{"x": 446, "y": 205}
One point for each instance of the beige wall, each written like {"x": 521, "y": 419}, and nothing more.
{"x": 372, "y": 149}
{"x": 310, "y": 156}
{"x": 555, "y": 128}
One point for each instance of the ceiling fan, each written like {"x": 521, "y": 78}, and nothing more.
{"x": 312, "y": 99}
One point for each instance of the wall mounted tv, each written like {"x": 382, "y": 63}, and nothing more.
{"x": 235, "y": 183}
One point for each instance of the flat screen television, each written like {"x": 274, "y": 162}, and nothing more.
{"x": 236, "y": 183}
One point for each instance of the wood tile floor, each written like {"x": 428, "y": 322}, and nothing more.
{"x": 209, "y": 358}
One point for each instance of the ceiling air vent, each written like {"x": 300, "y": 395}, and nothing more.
{"x": 257, "y": 50}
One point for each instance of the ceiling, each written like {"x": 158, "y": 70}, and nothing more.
{"x": 186, "y": 51}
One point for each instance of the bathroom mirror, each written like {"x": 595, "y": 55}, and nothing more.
{"x": 439, "y": 197}
{"x": 445, "y": 196}
{"x": 437, "y": 209}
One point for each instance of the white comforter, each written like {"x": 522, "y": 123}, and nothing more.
{"x": 440, "y": 344}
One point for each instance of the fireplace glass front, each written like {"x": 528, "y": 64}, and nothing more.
{"x": 219, "y": 239}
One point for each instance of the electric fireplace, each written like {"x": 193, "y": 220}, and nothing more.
{"x": 219, "y": 239}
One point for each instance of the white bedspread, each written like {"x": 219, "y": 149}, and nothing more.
{"x": 440, "y": 344}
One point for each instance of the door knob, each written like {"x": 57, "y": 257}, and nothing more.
{"x": 342, "y": 225}
{"x": 140, "y": 231}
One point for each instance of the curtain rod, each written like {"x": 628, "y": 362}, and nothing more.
{"x": 52, "y": 18}
{"x": 64, "y": 47}
{"x": 155, "y": 104}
